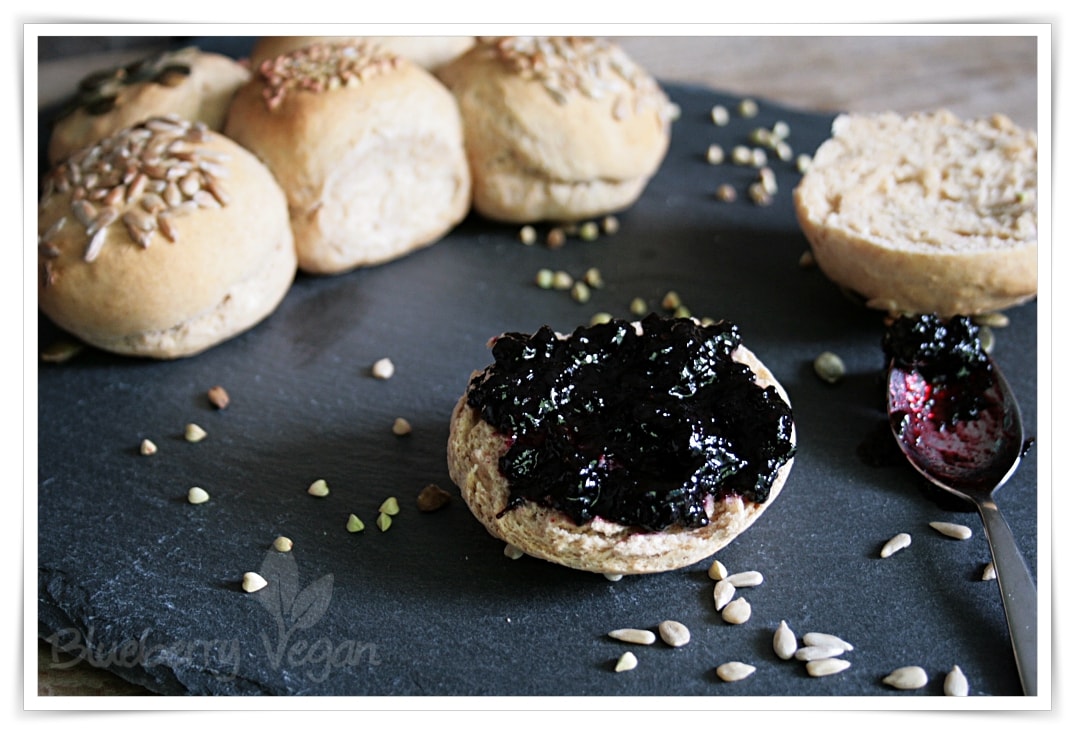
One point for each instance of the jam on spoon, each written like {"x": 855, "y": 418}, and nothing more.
{"x": 957, "y": 421}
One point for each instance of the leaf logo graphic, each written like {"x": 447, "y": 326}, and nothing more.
{"x": 291, "y": 606}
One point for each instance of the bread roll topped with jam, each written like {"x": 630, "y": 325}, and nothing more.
{"x": 558, "y": 128}
{"x": 162, "y": 240}
{"x": 622, "y": 448}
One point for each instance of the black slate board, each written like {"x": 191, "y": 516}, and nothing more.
{"x": 134, "y": 578}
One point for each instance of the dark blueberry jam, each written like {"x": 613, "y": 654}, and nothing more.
{"x": 640, "y": 430}
{"x": 948, "y": 355}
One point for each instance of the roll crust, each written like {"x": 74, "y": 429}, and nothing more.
{"x": 557, "y": 128}
{"x": 925, "y": 213}
{"x": 162, "y": 274}
{"x": 371, "y": 161}
{"x": 474, "y": 450}
{"x": 193, "y": 84}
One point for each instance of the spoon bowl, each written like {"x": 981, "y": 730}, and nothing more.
{"x": 966, "y": 436}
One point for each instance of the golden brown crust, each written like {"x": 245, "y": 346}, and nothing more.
{"x": 203, "y": 95}
{"x": 474, "y": 449}
{"x": 372, "y": 165}
{"x": 559, "y": 129}
{"x": 206, "y": 270}
{"x": 429, "y": 52}
{"x": 925, "y": 213}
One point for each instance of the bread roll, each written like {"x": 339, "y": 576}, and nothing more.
{"x": 193, "y": 84}
{"x": 557, "y": 128}
{"x": 162, "y": 240}
{"x": 429, "y": 52}
{"x": 367, "y": 146}
{"x": 599, "y": 537}
{"x": 925, "y": 213}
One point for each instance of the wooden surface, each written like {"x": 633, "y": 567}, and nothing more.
{"x": 972, "y": 76}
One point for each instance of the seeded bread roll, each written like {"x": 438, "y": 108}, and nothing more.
{"x": 557, "y": 128}
{"x": 925, "y": 213}
{"x": 475, "y": 449}
{"x": 193, "y": 84}
{"x": 429, "y": 52}
{"x": 367, "y": 146}
{"x": 162, "y": 240}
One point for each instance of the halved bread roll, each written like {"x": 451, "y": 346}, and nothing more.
{"x": 595, "y": 516}
{"x": 925, "y": 213}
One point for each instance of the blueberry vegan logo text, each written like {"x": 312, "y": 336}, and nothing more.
{"x": 294, "y": 609}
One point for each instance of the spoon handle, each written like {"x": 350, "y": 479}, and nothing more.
{"x": 1018, "y": 593}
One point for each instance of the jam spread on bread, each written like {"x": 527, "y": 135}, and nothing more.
{"x": 639, "y": 427}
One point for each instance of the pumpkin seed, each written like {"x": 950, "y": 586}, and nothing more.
{"x": 907, "y": 678}
{"x": 735, "y": 670}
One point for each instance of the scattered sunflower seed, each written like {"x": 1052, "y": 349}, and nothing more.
{"x": 627, "y": 661}
{"x": 723, "y": 593}
{"x": 741, "y": 155}
{"x": 601, "y": 317}
{"x": 613, "y": 577}
{"x": 989, "y": 573}
{"x": 955, "y": 683}
{"x": 674, "y": 633}
{"x": 952, "y": 530}
{"x": 634, "y": 636}
{"x": 283, "y": 544}
{"x": 802, "y": 162}
{"x": 717, "y": 571}
{"x": 528, "y": 235}
{"x": 748, "y": 107}
{"x": 384, "y": 521}
{"x": 432, "y": 498}
{"x": 383, "y": 369}
{"x": 987, "y": 338}
{"x": 829, "y": 367}
{"x": 592, "y": 277}
{"x": 401, "y": 427}
{"x": 907, "y": 678}
{"x": 318, "y": 489}
{"x": 826, "y": 666}
{"x": 818, "y": 652}
{"x": 784, "y": 642}
{"x": 737, "y": 611}
{"x": 610, "y": 225}
{"x": 562, "y": 280}
{"x": 759, "y": 195}
{"x": 253, "y": 582}
{"x": 735, "y": 670}
{"x": 513, "y": 552}
{"x": 719, "y": 115}
{"x": 995, "y": 319}
{"x": 589, "y": 231}
{"x": 639, "y": 307}
{"x": 745, "y": 579}
{"x": 355, "y": 524}
{"x": 897, "y": 542}
{"x": 148, "y": 448}
{"x": 823, "y": 639}
{"x": 218, "y": 397}
{"x": 60, "y": 351}
{"x": 544, "y": 278}
{"x": 390, "y": 506}
{"x": 580, "y": 292}
{"x": 194, "y": 433}
{"x": 714, "y": 155}
{"x": 197, "y": 495}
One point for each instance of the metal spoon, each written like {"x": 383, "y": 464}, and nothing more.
{"x": 971, "y": 458}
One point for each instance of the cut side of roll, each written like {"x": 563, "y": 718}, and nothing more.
{"x": 476, "y": 452}
{"x": 925, "y": 213}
